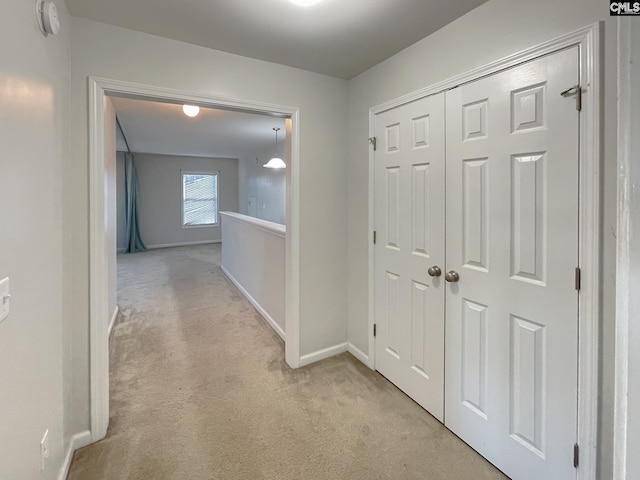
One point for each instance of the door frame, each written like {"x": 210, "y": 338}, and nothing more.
{"x": 588, "y": 41}
{"x": 626, "y": 427}
{"x": 99, "y": 313}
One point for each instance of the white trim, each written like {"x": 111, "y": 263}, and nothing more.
{"x": 292, "y": 244}
{"x": 589, "y": 253}
{"x": 623, "y": 260}
{"x": 182, "y": 244}
{"x": 77, "y": 441}
{"x": 98, "y": 268}
{"x": 359, "y": 354}
{"x": 170, "y": 245}
{"x": 588, "y": 41}
{"x": 264, "y": 225}
{"x": 204, "y": 225}
{"x": 256, "y": 305}
{"x": 98, "y": 280}
{"x": 324, "y": 353}
{"x": 114, "y": 317}
{"x": 574, "y": 38}
{"x": 371, "y": 250}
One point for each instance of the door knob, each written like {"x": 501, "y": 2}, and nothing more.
{"x": 434, "y": 271}
{"x": 452, "y": 276}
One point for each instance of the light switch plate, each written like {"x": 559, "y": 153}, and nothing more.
{"x": 5, "y": 299}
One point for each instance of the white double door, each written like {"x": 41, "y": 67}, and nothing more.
{"x": 481, "y": 183}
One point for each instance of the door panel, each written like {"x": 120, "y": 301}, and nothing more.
{"x": 512, "y": 235}
{"x": 409, "y": 304}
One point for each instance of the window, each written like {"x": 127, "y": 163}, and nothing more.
{"x": 199, "y": 199}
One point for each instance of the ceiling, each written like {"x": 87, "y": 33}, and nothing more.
{"x": 162, "y": 128}
{"x": 341, "y": 38}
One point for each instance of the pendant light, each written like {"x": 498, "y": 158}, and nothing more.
{"x": 276, "y": 162}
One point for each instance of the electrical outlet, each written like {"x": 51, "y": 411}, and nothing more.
{"x": 45, "y": 450}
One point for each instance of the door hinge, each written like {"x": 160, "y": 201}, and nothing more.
{"x": 576, "y": 455}
{"x": 578, "y": 278}
{"x": 374, "y": 141}
{"x": 374, "y": 330}
{"x": 375, "y": 237}
{"x": 577, "y": 91}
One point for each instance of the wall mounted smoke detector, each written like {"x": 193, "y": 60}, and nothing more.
{"x": 47, "y": 15}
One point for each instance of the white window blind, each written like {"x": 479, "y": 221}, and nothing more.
{"x": 199, "y": 199}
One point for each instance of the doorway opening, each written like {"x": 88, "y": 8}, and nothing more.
{"x": 100, "y": 316}
{"x": 189, "y": 176}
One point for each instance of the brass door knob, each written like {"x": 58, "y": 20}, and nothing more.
{"x": 452, "y": 276}
{"x": 434, "y": 271}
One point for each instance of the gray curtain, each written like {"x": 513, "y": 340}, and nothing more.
{"x": 132, "y": 228}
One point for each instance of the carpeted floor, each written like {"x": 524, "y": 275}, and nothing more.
{"x": 200, "y": 391}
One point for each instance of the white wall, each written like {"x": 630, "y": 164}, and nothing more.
{"x": 492, "y": 31}
{"x": 160, "y": 197}
{"x": 266, "y": 184}
{"x": 112, "y": 52}
{"x": 633, "y": 445}
{"x": 627, "y": 419}
{"x": 110, "y": 179}
{"x": 253, "y": 256}
{"x": 34, "y": 109}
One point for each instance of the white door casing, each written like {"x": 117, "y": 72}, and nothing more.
{"x": 512, "y": 235}
{"x": 587, "y": 40}
{"x": 98, "y": 315}
{"x": 409, "y": 172}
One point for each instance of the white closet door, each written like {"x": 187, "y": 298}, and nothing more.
{"x": 512, "y": 236}
{"x": 409, "y": 303}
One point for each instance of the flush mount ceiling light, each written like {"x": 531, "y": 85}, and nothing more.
{"x": 305, "y": 3}
{"x": 275, "y": 162}
{"x": 191, "y": 110}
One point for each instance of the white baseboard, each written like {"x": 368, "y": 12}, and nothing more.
{"x": 322, "y": 354}
{"x": 121, "y": 250}
{"x": 77, "y": 441}
{"x": 257, "y": 306}
{"x": 359, "y": 354}
{"x": 113, "y": 319}
{"x": 182, "y": 244}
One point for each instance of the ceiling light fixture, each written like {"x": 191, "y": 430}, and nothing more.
{"x": 276, "y": 162}
{"x": 305, "y": 3}
{"x": 191, "y": 110}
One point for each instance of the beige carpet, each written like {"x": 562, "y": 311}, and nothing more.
{"x": 200, "y": 390}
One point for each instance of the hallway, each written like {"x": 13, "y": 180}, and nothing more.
{"x": 200, "y": 390}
